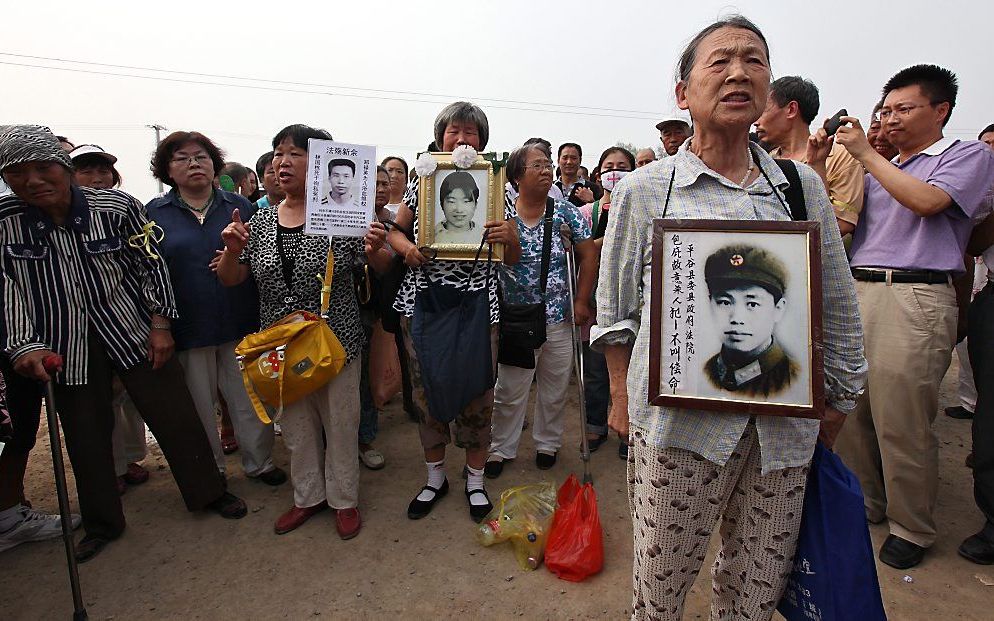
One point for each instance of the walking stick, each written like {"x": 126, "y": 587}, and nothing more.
{"x": 577, "y": 359}
{"x": 53, "y": 363}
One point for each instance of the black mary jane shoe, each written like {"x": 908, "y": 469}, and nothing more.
{"x": 478, "y": 512}
{"x": 420, "y": 508}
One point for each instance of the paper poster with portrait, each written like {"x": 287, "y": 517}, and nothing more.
{"x": 736, "y": 317}
{"x": 341, "y": 188}
{"x": 454, "y": 204}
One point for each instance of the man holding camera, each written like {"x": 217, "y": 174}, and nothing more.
{"x": 792, "y": 106}
{"x": 575, "y": 189}
{"x": 907, "y": 248}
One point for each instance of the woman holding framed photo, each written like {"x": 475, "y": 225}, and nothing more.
{"x": 460, "y": 123}
{"x": 691, "y": 468}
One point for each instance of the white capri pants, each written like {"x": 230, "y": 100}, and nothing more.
{"x": 325, "y": 467}
{"x": 553, "y": 365}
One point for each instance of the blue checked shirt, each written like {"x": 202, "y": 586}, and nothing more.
{"x": 623, "y": 302}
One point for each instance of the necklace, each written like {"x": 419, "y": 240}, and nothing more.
{"x": 748, "y": 170}
{"x": 201, "y": 213}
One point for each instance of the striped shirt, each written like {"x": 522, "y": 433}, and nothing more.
{"x": 61, "y": 281}
{"x": 623, "y": 302}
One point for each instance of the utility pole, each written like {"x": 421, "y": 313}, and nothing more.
{"x": 158, "y": 139}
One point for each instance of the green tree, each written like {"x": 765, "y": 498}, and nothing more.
{"x": 627, "y": 146}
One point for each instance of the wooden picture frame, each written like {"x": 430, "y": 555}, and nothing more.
{"x": 452, "y": 238}
{"x": 727, "y": 375}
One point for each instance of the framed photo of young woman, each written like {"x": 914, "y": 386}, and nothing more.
{"x": 454, "y": 204}
{"x": 736, "y": 317}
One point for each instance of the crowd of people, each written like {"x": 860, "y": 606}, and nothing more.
{"x": 147, "y": 302}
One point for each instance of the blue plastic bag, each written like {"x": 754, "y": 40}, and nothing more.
{"x": 835, "y": 576}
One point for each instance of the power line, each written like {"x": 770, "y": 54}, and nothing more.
{"x": 319, "y": 85}
{"x": 566, "y": 109}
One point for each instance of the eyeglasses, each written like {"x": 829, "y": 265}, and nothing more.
{"x": 189, "y": 159}
{"x": 902, "y": 111}
{"x": 540, "y": 167}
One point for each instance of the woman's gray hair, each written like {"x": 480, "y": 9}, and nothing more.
{"x": 516, "y": 162}
{"x": 462, "y": 112}
{"x": 689, "y": 55}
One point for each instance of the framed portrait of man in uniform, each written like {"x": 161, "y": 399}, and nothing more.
{"x": 736, "y": 317}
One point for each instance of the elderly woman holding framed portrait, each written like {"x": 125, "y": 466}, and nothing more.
{"x": 460, "y": 123}
{"x": 688, "y": 468}
{"x": 320, "y": 429}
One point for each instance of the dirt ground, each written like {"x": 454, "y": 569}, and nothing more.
{"x": 174, "y": 565}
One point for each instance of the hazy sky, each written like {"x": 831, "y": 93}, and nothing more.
{"x": 379, "y": 72}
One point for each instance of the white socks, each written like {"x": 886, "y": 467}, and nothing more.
{"x": 436, "y": 476}
{"x": 474, "y": 480}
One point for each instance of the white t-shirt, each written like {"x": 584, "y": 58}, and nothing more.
{"x": 512, "y": 194}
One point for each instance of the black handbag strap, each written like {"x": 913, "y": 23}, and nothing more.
{"x": 550, "y": 205}
{"x": 387, "y": 223}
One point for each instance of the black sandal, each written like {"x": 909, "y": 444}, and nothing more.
{"x": 478, "y": 512}
{"x": 420, "y": 508}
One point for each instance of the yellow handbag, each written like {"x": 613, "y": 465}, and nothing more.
{"x": 293, "y": 357}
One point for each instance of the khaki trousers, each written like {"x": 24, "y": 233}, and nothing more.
{"x": 909, "y": 333}
{"x": 322, "y": 432}
{"x": 210, "y": 370}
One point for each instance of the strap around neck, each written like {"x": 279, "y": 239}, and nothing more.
{"x": 550, "y": 205}
{"x": 329, "y": 273}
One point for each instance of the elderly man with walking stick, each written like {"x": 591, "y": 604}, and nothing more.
{"x": 82, "y": 278}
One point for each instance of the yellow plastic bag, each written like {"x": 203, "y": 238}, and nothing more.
{"x": 522, "y": 516}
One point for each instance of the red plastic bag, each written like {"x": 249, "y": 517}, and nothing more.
{"x": 575, "y": 548}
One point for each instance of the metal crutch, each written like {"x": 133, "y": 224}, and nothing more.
{"x": 52, "y": 364}
{"x": 577, "y": 358}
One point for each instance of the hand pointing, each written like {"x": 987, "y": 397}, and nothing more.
{"x": 236, "y": 234}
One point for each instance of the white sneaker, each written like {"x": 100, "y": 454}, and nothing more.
{"x": 372, "y": 459}
{"x": 35, "y": 526}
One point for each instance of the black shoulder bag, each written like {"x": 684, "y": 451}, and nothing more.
{"x": 522, "y": 326}
{"x": 794, "y": 193}
{"x": 450, "y": 331}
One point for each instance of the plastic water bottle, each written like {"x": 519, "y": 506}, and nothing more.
{"x": 487, "y": 532}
